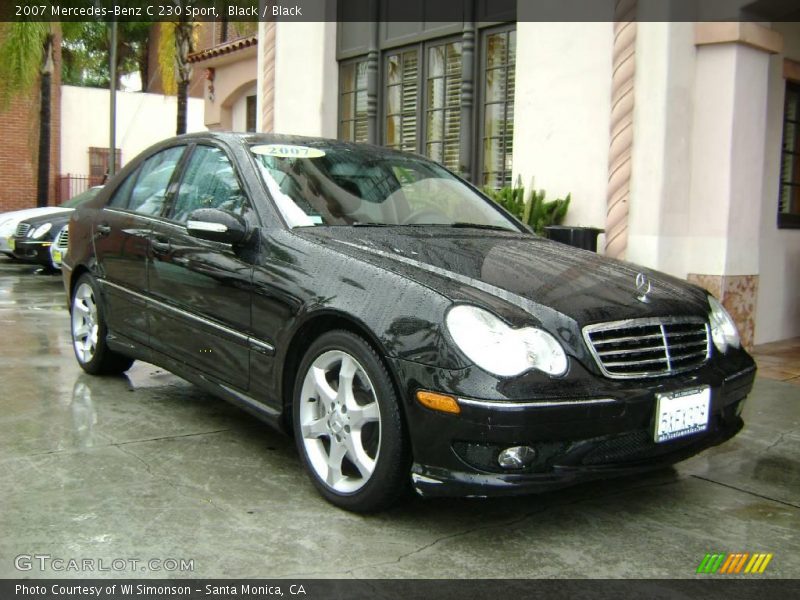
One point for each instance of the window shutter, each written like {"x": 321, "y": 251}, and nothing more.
{"x": 443, "y": 104}
{"x": 401, "y": 101}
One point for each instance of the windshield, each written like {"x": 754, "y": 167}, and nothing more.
{"x": 349, "y": 185}
{"x": 82, "y": 197}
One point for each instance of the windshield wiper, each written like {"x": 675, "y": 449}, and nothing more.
{"x": 465, "y": 225}
{"x": 480, "y": 226}
{"x": 459, "y": 224}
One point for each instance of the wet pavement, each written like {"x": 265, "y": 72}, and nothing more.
{"x": 147, "y": 466}
{"x": 779, "y": 360}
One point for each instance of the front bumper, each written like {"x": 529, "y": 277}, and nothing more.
{"x": 33, "y": 251}
{"x": 4, "y": 246}
{"x": 598, "y": 428}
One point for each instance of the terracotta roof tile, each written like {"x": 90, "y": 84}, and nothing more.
{"x": 224, "y": 48}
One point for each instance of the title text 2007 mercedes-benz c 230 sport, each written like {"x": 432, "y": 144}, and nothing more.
{"x": 405, "y": 329}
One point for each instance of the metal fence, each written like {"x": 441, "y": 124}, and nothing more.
{"x": 70, "y": 185}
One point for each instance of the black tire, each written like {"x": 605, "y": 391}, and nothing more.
{"x": 91, "y": 349}
{"x": 381, "y": 444}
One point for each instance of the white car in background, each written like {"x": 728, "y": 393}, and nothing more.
{"x": 10, "y": 220}
{"x": 59, "y": 247}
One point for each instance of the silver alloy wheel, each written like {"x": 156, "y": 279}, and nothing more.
{"x": 84, "y": 323}
{"x": 340, "y": 421}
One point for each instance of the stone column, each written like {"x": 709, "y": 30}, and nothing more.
{"x": 619, "y": 153}
{"x": 466, "y": 147}
{"x": 372, "y": 81}
{"x": 266, "y": 76}
{"x": 728, "y": 148}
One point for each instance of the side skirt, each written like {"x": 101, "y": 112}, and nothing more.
{"x": 267, "y": 414}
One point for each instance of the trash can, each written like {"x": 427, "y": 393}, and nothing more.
{"x": 579, "y": 237}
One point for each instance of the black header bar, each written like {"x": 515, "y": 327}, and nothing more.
{"x": 705, "y": 587}
{"x": 431, "y": 11}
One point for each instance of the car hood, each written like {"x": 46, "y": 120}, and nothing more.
{"x": 482, "y": 265}
{"x": 10, "y": 220}
{"x": 58, "y": 219}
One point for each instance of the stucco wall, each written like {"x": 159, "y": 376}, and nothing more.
{"x": 142, "y": 120}
{"x": 727, "y": 159}
{"x": 234, "y": 74}
{"x": 239, "y": 109}
{"x": 778, "y": 306}
{"x": 562, "y": 105}
{"x": 306, "y": 79}
{"x": 693, "y": 208}
{"x": 661, "y": 161}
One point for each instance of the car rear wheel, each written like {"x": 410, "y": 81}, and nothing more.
{"x": 347, "y": 424}
{"x": 89, "y": 332}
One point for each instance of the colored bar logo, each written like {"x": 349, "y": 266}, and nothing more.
{"x": 731, "y": 564}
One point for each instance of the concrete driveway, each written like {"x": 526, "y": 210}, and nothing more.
{"x": 147, "y": 467}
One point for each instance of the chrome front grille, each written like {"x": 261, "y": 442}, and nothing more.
{"x": 62, "y": 241}
{"x": 22, "y": 230}
{"x": 649, "y": 347}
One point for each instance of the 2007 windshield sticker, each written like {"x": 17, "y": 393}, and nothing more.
{"x": 287, "y": 151}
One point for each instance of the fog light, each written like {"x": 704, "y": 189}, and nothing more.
{"x": 516, "y": 457}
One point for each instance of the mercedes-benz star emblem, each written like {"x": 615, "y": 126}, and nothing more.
{"x": 643, "y": 287}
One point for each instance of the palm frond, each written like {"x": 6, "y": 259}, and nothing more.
{"x": 166, "y": 57}
{"x": 21, "y": 54}
{"x": 71, "y": 30}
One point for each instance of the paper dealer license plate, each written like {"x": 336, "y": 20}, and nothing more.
{"x": 681, "y": 413}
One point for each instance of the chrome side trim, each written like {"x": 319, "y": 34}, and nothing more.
{"x": 121, "y": 288}
{"x": 261, "y": 346}
{"x": 206, "y": 226}
{"x": 741, "y": 373}
{"x": 161, "y": 220}
{"x": 252, "y": 402}
{"x": 492, "y": 405}
{"x": 247, "y": 339}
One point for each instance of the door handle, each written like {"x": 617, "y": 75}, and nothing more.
{"x": 103, "y": 229}
{"x": 161, "y": 247}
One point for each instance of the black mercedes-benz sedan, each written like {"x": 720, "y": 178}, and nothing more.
{"x": 34, "y": 237}
{"x": 405, "y": 329}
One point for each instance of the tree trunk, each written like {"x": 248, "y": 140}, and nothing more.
{"x": 184, "y": 30}
{"x": 43, "y": 170}
{"x": 144, "y": 66}
{"x": 183, "y": 95}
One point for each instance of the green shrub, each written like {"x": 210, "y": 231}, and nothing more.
{"x": 532, "y": 210}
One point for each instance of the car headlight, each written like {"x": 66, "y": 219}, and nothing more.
{"x": 723, "y": 329}
{"x": 502, "y": 350}
{"x": 40, "y": 231}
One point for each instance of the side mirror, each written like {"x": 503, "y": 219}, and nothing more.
{"x": 217, "y": 226}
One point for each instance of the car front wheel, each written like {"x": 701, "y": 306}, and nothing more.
{"x": 347, "y": 424}
{"x": 89, "y": 332}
